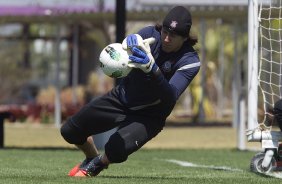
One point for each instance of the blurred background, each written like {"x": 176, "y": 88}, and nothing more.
{"x": 49, "y": 54}
{"x": 56, "y": 43}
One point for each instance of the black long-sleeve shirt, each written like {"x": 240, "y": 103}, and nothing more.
{"x": 157, "y": 92}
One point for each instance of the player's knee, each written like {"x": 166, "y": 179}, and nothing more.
{"x": 115, "y": 149}
{"x": 72, "y": 135}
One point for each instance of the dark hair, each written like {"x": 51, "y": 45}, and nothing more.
{"x": 192, "y": 40}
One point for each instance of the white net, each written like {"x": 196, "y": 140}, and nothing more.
{"x": 270, "y": 60}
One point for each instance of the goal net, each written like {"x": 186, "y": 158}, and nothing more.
{"x": 270, "y": 56}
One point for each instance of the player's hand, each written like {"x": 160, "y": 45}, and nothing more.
{"x": 139, "y": 59}
{"x": 132, "y": 41}
{"x": 135, "y": 40}
{"x": 146, "y": 44}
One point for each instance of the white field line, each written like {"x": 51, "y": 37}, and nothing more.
{"x": 275, "y": 174}
{"x": 224, "y": 168}
{"x": 189, "y": 164}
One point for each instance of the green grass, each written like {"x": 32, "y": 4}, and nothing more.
{"x": 34, "y": 166}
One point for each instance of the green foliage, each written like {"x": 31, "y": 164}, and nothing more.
{"x": 28, "y": 166}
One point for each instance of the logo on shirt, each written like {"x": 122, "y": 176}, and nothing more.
{"x": 166, "y": 67}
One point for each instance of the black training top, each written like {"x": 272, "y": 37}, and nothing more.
{"x": 158, "y": 91}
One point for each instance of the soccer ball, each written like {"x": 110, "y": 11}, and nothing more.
{"x": 114, "y": 61}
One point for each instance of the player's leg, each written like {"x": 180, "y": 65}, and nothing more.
{"x": 93, "y": 160}
{"x": 98, "y": 116}
{"x": 89, "y": 148}
{"x": 130, "y": 137}
{"x": 90, "y": 151}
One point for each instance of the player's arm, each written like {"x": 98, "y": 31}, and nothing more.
{"x": 183, "y": 77}
{"x": 169, "y": 90}
{"x": 179, "y": 81}
{"x": 143, "y": 59}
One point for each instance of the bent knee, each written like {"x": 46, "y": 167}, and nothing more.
{"x": 71, "y": 134}
{"x": 115, "y": 149}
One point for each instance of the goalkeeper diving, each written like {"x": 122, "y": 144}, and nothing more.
{"x": 163, "y": 63}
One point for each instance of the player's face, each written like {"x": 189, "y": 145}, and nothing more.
{"x": 171, "y": 42}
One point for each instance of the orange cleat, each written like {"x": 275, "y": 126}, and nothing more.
{"x": 74, "y": 170}
{"x": 79, "y": 166}
{"x": 90, "y": 169}
{"x": 81, "y": 173}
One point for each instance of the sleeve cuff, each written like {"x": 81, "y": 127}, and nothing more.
{"x": 155, "y": 72}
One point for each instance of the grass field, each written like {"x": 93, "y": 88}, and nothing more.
{"x": 176, "y": 156}
{"x": 33, "y": 166}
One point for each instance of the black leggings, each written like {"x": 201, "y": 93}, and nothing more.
{"x": 105, "y": 113}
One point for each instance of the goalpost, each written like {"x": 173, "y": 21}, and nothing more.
{"x": 252, "y": 63}
{"x": 252, "y": 88}
{"x": 265, "y": 64}
{"x": 264, "y": 60}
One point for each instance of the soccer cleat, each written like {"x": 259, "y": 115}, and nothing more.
{"x": 76, "y": 168}
{"x": 93, "y": 168}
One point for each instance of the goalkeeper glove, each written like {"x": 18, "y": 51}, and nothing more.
{"x": 139, "y": 59}
{"x": 132, "y": 41}
{"x": 135, "y": 40}
{"x": 142, "y": 57}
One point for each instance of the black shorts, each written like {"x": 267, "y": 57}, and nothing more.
{"x": 107, "y": 112}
